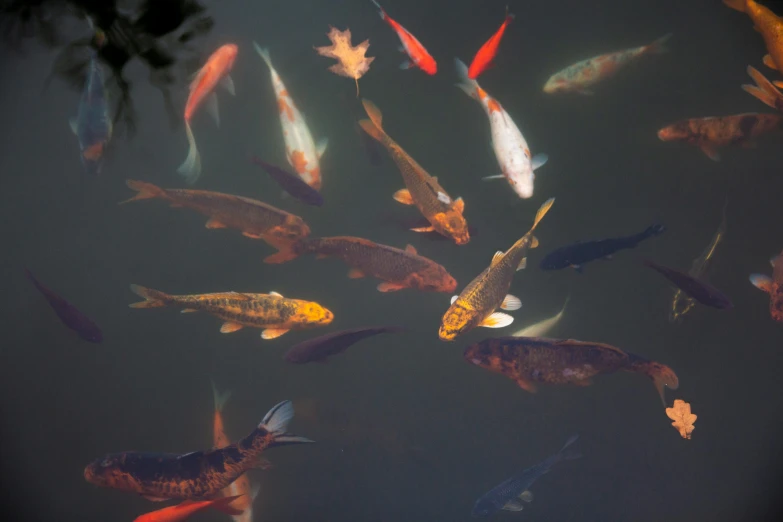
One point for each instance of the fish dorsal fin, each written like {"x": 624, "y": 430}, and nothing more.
{"x": 497, "y": 257}
{"x": 237, "y": 295}
{"x": 454, "y": 298}
{"x": 410, "y": 249}
{"x": 542, "y": 211}
{"x": 276, "y": 294}
{"x": 459, "y": 205}
{"x": 435, "y": 178}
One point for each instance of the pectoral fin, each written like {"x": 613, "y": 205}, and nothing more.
{"x": 229, "y": 327}
{"x": 762, "y": 282}
{"x": 526, "y": 385}
{"x": 276, "y": 294}
{"x": 513, "y": 505}
{"x": 187, "y": 310}
{"x": 497, "y": 257}
{"x": 778, "y": 84}
{"x": 454, "y": 298}
{"x": 711, "y": 151}
{"x": 320, "y": 147}
{"x": 410, "y": 249}
{"x": 769, "y": 63}
{"x": 424, "y": 229}
{"x": 251, "y": 235}
{"x": 212, "y": 108}
{"x": 272, "y": 333}
{"x": 538, "y": 160}
{"x": 511, "y": 303}
{"x": 228, "y": 84}
{"x": 154, "y": 499}
{"x": 459, "y": 205}
{"x": 522, "y": 264}
{"x": 496, "y": 176}
{"x": 403, "y": 196}
{"x": 497, "y": 320}
{"x": 355, "y": 273}
{"x": 74, "y": 124}
{"x": 214, "y": 223}
{"x": 389, "y": 287}
{"x": 526, "y": 495}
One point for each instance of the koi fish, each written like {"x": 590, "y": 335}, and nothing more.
{"x": 528, "y": 360}
{"x": 764, "y": 90}
{"x": 682, "y": 303}
{"x": 582, "y": 252}
{"x": 274, "y": 313}
{"x": 773, "y": 286}
{"x": 92, "y": 124}
{"x": 215, "y": 71}
{"x": 69, "y": 315}
{"x": 771, "y": 28}
{"x": 398, "y": 269}
{"x": 711, "y": 133}
{"x": 186, "y": 509}
{"x": 161, "y": 476}
{"x": 509, "y": 494}
{"x": 424, "y": 191}
{"x": 239, "y": 490}
{"x": 321, "y": 348}
{"x": 292, "y": 184}
{"x": 704, "y": 293}
{"x": 253, "y": 218}
{"x": 582, "y": 76}
{"x": 476, "y": 304}
{"x": 300, "y": 149}
{"x": 419, "y": 57}
{"x": 485, "y": 56}
{"x": 511, "y": 149}
{"x": 541, "y": 328}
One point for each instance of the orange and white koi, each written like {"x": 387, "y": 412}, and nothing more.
{"x": 300, "y": 149}
{"x": 511, "y": 149}
{"x": 215, "y": 71}
{"x": 770, "y": 26}
{"x": 419, "y": 57}
{"x": 485, "y": 56}
{"x": 581, "y": 76}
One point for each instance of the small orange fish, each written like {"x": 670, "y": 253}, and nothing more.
{"x": 186, "y": 509}
{"x": 272, "y": 312}
{"x": 419, "y": 57}
{"x": 202, "y": 88}
{"x": 253, "y": 218}
{"x": 485, "y": 56}
{"x": 709, "y": 134}
{"x": 769, "y": 25}
{"x": 424, "y": 191}
{"x": 773, "y": 286}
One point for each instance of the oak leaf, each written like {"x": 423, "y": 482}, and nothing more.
{"x": 682, "y": 417}
{"x": 353, "y": 62}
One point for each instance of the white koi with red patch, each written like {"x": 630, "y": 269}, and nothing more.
{"x": 301, "y": 151}
{"x": 511, "y": 149}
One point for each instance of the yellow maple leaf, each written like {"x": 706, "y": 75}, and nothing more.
{"x": 353, "y": 62}
{"x": 682, "y": 417}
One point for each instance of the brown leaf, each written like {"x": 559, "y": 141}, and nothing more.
{"x": 682, "y": 417}
{"x": 353, "y": 63}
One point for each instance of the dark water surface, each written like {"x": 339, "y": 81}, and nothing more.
{"x": 406, "y": 429}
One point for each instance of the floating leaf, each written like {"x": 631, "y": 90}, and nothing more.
{"x": 682, "y": 417}
{"x": 353, "y": 63}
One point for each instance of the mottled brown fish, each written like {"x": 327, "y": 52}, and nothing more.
{"x": 398, "y": 269}
{"x": 253, "y": 218}
{"x": 530, "y": 360}
{"x": 422, "y": 190}
{"x": 709, "y": 134}
{"x": 196, "y": 475}
{"x": 773, "y": 286}
{"x": 476, "y": 305}
{"x": 272, "y": 312}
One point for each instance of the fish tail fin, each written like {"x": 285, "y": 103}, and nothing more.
{"x": 764, "y": 90}
{"x": 567, "y": 452}
{"x": 153, "y": 298}
{"x": 286, "y": 253}
{"x": 738, "y": 5}
{"x": 380, "y": 9}
{"x": 145, "y": 191}
{"x": 467, "y": 84}
{"x": 654, "y": 230}
{"x": 661, "y": 375}
{"x": 276, "y": 421}
{"x": 220, "y": 398}
{"x": 659, "y": 46}
{"x": 191, "y": 167}
{"x": 263, "y": 52}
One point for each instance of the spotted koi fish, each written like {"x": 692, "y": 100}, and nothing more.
{"x": 422, "y": 190}
{"x": 582, "y": 76}
{"x": 769, "y": 25}
{"x": 511, "y": 149}
{"x": 300, "y": 149}
{"x": 196, "y": 475}
{"x": 272, "y": 312}
{"x": 476, "y": 304}
{"x": 709, "y": 134}
{"x": 773, "y": 286}
{"x": 530, "y": 360}
{"x": 253, "y": 218}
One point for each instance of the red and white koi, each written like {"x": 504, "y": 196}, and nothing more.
{"x": 300, "y": 149}
{"x": 419, "y": 57}
{"x": 581, "y": 76}
{"x": 511, "y": 149}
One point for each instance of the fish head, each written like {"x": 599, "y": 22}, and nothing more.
{"x": 228, "y": 53}
{"x": 432, "y": 279}
{"x": 457, "y": 320}
{"x": 428, "y": 65}
{"x": 285, "y": 235}
{"x": 522, "y": 185}
{"x": 452, "y": 224}
{"x": 483, "y": 508}
{"x": 108, "y": 472}
{"x": 487, "y": 356}
{"x": 676, "y": 131}
{"x": 312, "y": 313}
{"x": 556, "y": 83}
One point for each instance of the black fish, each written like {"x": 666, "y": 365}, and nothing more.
{"x": 292, "y": 184}
{"x": 69, "y": 314}
{"x": 578, "y": 254}
{"x": 319, "y": 348}
{"x": 704, "y": 293}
